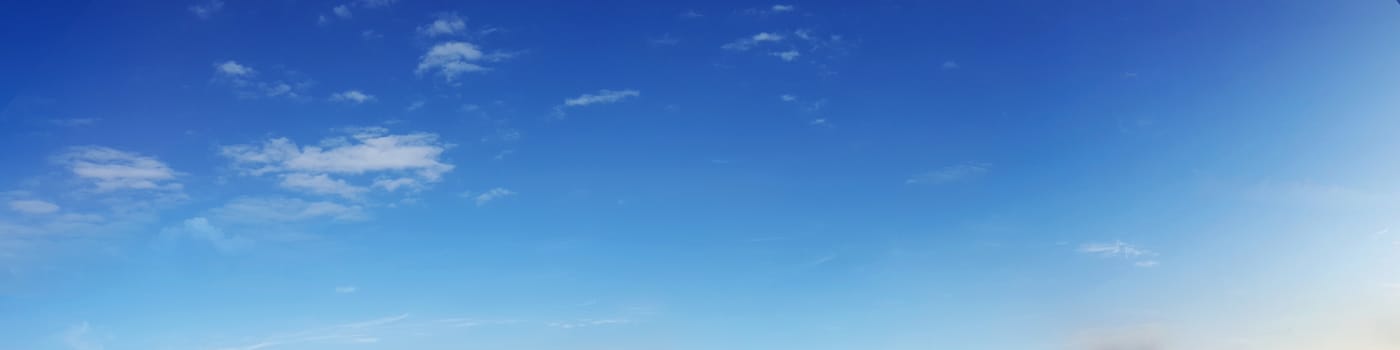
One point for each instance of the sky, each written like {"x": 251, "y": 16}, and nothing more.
{"x": 692, "y": 175}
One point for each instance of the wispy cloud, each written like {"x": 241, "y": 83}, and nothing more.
{"x": 788, "y": 55}
{"x": 948, "y": 174}
{"x": 588, "y": 323}
{"x": 346, "y": 289}
{"x": 352, "y": 96}
{"x": 33, "y": 206}
{"x": 75, "y": 122}
{"x": 947, "y": 65}
{"x": 749, "y": 42}
{"x": 1121, "y": 250}
{"x": 601, "y": 97}
{"x": 342, "y": 11}
{"x": 199, "y": 228}
{"x": 207, "y": 8}
{"x": 447, "y": 24}
{"x": 490, "y": 195}
{"x": 249, "y": 83}
{"x": 110, "y": 170}
{"x": 263, "y": 210}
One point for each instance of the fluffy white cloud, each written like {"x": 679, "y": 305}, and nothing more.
{"x": 33, "y": 206}
{"x": 446, "y": 24}
{"x": 352, "y": 96}
{"x": 783, "y": 8}
{"x": 199, "y": 228}
{"x": 233, "y": 69}
{"x": 454, "y": 58}
{"x": 415, "y": 157}
{"x": 109, "y": 169}
{"x": 206, "y": 9}
{"x": 603, "y": 97}
{"x": 948, "y": 174}
{"x": 490, "y": 195}
{"x": 744, "y": 44}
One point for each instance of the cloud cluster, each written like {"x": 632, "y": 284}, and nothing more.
{"x": 248, "y": 83}
{"x": 454, "y": 58}
{"x": 392, "y": 161}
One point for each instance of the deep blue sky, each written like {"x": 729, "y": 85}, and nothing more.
{"x": 379, "y": 174}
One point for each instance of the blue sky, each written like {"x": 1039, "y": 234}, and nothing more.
{"x": 401, "y": 174}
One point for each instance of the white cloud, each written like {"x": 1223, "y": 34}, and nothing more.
{"x": 365, "y": 151}
{"x": 346, "y": 289}
{"x": 199, "y": 228}
{"x": 603, "y": 97}
{"x": 788, "y": 55}
{"x": 948, "y": 174}
{"x": 950, "y": 65}
{"x": 233, "y": 69}
{"x": 33, "y": 206}
{"x": 1115, "y": 249}
{"x": 342, "y": 11}
{"x": 259, "y": 210}
{"x": 446, "y": 24}
{"x": 243, "y": 79}
{"x": 490, "y": 195}
{"x": 320, "y": 184}
{"x": 691, "y": 14}
{"x": 822, "y": 122}
{"x": 352, "y": 96}
{"x": 783, "y": 8}
{"x": 109, "y": 169}
{"x": 453, "y": 58}
{"x": 206, "y": 9}
{"x": 787, "y": 97}
{"x": 416, "y": 105}
{"x": 744, "y": 44}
